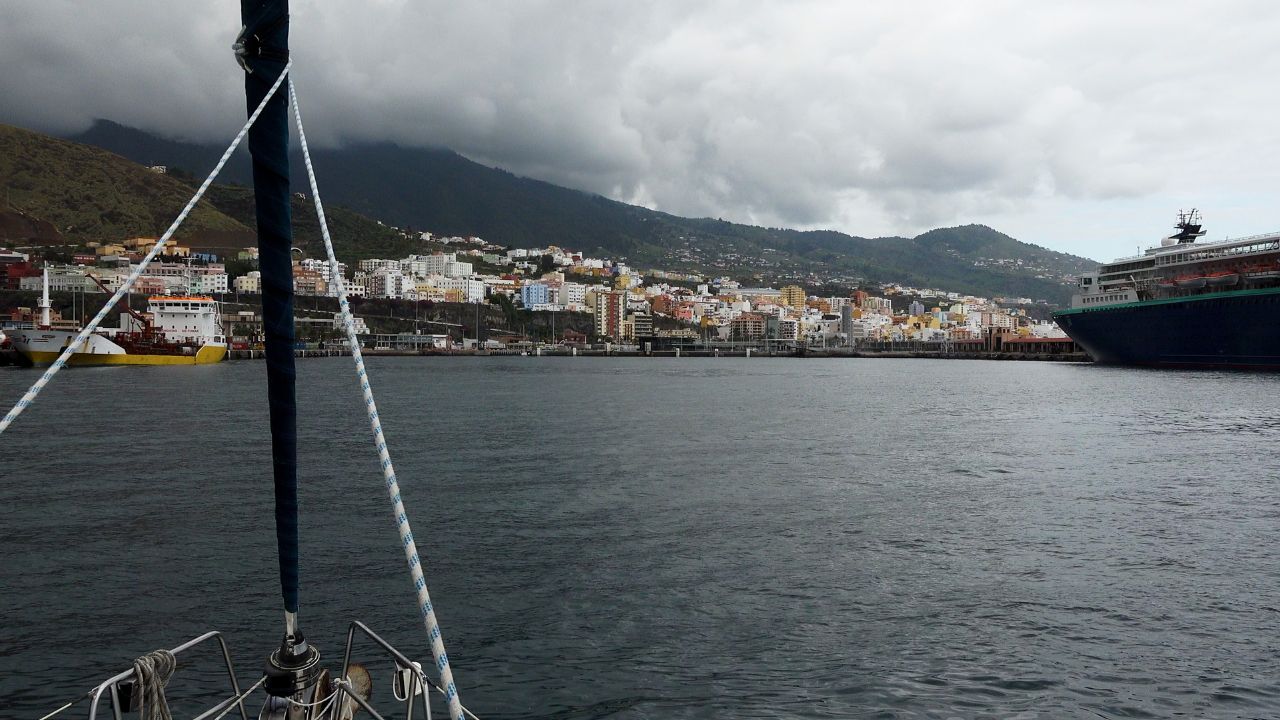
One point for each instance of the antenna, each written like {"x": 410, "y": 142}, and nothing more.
{"x": 1188, "y": 227}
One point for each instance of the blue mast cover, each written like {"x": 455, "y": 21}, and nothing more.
{"x": 266, "y": 39}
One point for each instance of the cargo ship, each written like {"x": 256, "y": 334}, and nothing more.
{"x": 1183, "y": 303}
{"x": 175, "y": 330}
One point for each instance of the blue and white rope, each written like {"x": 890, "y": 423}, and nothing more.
{"x": 88, "y": 330}
{"x": 384, "y": 457}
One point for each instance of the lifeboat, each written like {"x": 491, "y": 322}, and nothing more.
{"x": 1190, "y": 282}
{"x": 1222, "y": 279}
{"x": 1265, "y": 271}
{"x": 1166, "y": 284}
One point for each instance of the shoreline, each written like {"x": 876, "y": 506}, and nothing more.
{"x": 236, "y": 355}
{"x": 7, "y": 359}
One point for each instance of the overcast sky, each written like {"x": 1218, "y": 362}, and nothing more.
{"x": 1083, "y": 127}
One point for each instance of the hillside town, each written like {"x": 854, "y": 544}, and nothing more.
{"x": 626, "y": 304}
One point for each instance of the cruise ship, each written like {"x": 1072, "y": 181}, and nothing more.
{"x": 175, "y": 330}
{"x": 1183, "y": 304}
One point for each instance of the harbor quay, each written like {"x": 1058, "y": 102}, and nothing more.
{"x": 1027, "y": 349}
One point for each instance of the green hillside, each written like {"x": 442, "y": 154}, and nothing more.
{"x": 86, "y": 193}
{"x": 61, "y": 192}
{"x": 355, "y": 237}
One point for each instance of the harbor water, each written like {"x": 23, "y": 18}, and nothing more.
{"x": 671, "y": 538}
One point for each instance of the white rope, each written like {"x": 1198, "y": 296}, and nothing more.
{"x": 151, "y": 674}
{"x": 388, "y": 471}
{"x": 88, "y": 330}
{"x": 235, "y": 701}
{"x": 323, "y": 703}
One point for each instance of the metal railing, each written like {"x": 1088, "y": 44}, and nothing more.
{"x": 112, "y": 685}
{"x": 415, "y": 683}
{"x": 403, "y": 663}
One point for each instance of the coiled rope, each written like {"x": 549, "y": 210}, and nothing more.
{"x": 425, "y": 607}
{"x": 151, "y": 674}
{"x": 88, "y": 330}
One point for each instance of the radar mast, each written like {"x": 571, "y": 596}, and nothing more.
{"x": 1188, "y": 227}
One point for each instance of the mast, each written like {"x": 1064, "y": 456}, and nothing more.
{"x": 264, "y": 52}
{"x": 1188, "y": 226}
{"x": 44, "y": 299}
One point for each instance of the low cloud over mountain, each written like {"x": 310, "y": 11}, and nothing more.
{"x": 867, "y": 118}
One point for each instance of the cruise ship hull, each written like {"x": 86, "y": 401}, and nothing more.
{"x": 41, "y": 348}
{"x": 1233, "y": 329}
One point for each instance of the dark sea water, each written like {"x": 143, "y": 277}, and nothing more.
{"x": 664, "y": 538}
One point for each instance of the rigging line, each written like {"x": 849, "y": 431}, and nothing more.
{"x": 425, "y": 607}
{"x": 68, "y": 704}
{"x": 325, "y": 701}
{"x": 88, "y": 330}
{"x": 237, "y": 700}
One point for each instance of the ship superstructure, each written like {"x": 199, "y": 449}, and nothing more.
{"x": 1183, "y": 303}
{"x": 1180, "y": 266}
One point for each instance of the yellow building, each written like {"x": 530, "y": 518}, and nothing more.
{"x": 427, "y": 290}
{"x": 793, "y": 296}
{"x": 171, "y": 247}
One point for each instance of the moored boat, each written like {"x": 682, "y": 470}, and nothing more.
{"x": 1183, "y": 304}
{"x": 176, "y": 330}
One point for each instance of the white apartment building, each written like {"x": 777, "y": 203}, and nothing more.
{"x": 446, "y": 264}
{"x": 208, "y": 284}
{"x": 457, "y": 269}
{"x": 471, "y": 289}
{"x": 374, "y": 264}
{"x": 63, "y": 278}
{"x": 249, "y": 283}
{"x": 424, "y": 265}
{"x": 387, "y": 282}
{"x": 573, "y": 295}
{"x": 322, "y": 266}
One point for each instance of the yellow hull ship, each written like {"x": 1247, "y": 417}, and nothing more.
{"x": 41, "y": 352}
{"x": 176, "y": 330}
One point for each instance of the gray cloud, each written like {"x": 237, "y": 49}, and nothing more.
{"x": 865, "y": 117}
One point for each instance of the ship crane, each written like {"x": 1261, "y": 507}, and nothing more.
{"x": 146, "y": 322}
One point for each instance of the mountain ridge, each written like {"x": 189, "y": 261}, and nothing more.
{"x": 442, "y": 191}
